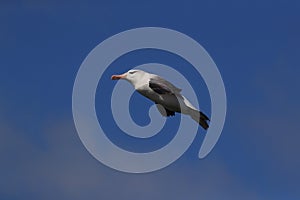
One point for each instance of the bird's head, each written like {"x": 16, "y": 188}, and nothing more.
{"x": 132, "y": 76}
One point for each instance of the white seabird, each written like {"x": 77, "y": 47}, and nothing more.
{"x": 164, "y": 94}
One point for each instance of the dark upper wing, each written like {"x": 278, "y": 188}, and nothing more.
{"x": 162, "y": 86}
{"x": 164, "y": 111}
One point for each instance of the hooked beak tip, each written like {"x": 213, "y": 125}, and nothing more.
{"x": 114, "y": 77}
{"x": 117, "y": 77}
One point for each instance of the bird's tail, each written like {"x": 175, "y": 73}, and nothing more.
{"x": 200, "y": 117}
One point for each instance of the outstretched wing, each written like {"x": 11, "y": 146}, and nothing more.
{"x": 162, "y": 86}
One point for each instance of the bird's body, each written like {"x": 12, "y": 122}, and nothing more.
{"x": 164, "y": 94}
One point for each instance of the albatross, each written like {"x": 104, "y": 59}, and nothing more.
{"x": 164, "y": 94}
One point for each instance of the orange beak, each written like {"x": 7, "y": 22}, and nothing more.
{"x": 117, "y": 77}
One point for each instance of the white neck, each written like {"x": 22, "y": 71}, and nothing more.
{"x": 140, "y": 81}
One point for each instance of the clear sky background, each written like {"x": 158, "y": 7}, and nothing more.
{"x": 256, "y": 46}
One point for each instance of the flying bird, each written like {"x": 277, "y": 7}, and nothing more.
{"x": 164, "y": 94}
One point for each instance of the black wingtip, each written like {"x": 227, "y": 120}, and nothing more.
{"x": 204, "y": 124}
{"x": 203, "y": 116}
{"x": 203, "y": 120}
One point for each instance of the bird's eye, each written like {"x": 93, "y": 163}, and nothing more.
{"x": 132, "y": 72}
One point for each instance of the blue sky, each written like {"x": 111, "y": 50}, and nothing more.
{"x": 255, "y": 45}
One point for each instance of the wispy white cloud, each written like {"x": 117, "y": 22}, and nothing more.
{"x": 65, "y": 170}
